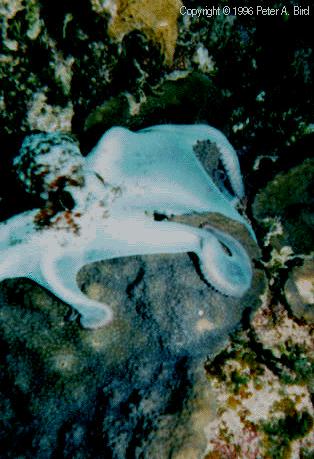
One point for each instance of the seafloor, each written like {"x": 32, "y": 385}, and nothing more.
{"x": 161, "y": 383}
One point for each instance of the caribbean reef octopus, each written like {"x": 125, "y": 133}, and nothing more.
{"x": 105, "y": 205}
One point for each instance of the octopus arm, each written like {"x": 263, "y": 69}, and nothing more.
{"x": 193, "y": 133}
{"x": 19, "y": 247}
{"x": 228, "y": 273}
{"x": 59, "y": 273}
{"x": 140, "y": 235}
{"x": 59, "y": 270}
{"x": 225, "y": 263}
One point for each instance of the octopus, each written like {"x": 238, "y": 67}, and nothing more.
{"x": 116, "y": 202}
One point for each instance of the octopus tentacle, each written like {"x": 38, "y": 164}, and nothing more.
{"x": 229, "y": 157}
{"x": 228, "y": 274}
{"x": 231, "y": 163}
{"x": 59, "y": 273}
{"x": 198, "y": 132}
{"x": 19, "y": 255}
{"x": 125, "y": 238}
{"x": 224, "y": 262}
{"x": 140, "y": 235}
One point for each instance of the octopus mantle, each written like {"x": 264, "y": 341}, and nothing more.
{"x": 116, "y": 191}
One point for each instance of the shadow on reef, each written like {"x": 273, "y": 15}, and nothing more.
{"x": 136, "y": 388}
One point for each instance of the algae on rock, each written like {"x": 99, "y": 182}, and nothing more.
{"x": 290, "y": 197}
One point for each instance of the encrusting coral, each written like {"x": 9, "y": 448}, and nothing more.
{"x": 157, "y": 20}
{"x": 109, "y": 201}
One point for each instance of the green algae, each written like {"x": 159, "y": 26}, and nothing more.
{"x": 283, "y": 431}
{"x": 164, "y": 102}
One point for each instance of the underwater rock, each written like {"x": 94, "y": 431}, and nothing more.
{"x": 133, "y": 389}
{"x": 289, "y": 198}
{"x": 157, "y": 20}
{"x": 261, "y": 412}
{"x": 174, "y": 100}
{"x": 299, "y": 291}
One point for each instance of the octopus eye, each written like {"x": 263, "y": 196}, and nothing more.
{"x": 66, "y": 200}
{"x": 158, "y": 217}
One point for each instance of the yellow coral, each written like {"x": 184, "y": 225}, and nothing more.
{"x": 157, "y": 20}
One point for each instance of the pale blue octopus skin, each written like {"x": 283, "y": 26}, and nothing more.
{"x": 128, "y": 177}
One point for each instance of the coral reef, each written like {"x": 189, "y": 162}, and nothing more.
{"x": 289, "y": 199}
{"x": 299, "y": 290}
{"x": 260, "y": 412}
{"x": 137, "y": 387}
{"x": 158, "y": 21}
{"x": 164, "y": 101}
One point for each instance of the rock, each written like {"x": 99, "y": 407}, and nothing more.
{"x": 289, "y": 199}
{"x": 299, "y": 291}
{"x": 136, "y": 388}
{"x": 166, "y": 101}
{"x": 158, "y": 21}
